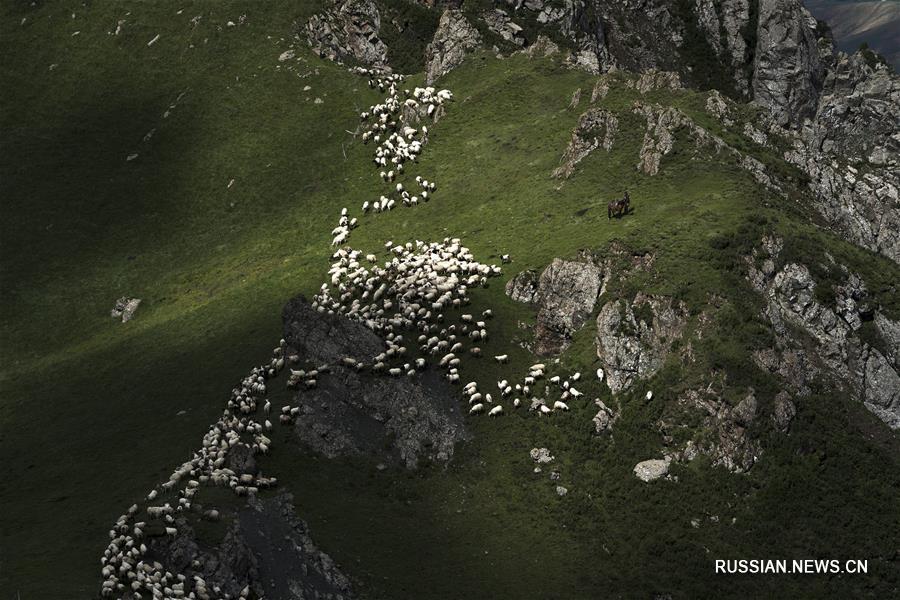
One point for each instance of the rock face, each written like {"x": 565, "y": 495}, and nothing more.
{"x": 633, "y": 339}
{"x": 348, "y": 30}
{"x": 855, "y": 125}
{"x": 400, "y": 420}
{"x": 266, "y": 548}
{"x": 596, "y": 128}
{"x": 651, "y": 470}
{"x": 565, "y": 295}
{"x": 454, "y": 39}
{"x": 724, "y": 29}
{"x": 872, "y": 375}
{"x": 787, "y": 72}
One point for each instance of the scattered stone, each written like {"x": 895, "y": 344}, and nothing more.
{"x": 561, "y": 491}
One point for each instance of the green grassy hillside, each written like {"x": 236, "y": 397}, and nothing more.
{"x": 94, "y": 412}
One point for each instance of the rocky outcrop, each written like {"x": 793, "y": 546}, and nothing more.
{"x": 454, "y": 39}
{"x": 565, "y": 295}
{"x": 869, "y": 374}
{"x": 653, "y": 79}
{"x": 352, "y": 412}
{"x": 499, "y": 22}
{"x": 787, "y": 71}
{"x": 347, "y": 30}
{"x": 523, "y": 287}
{"x": 724, "y": 435}
{"x": 266, "y": 549}
{"x": 596, "y": 128}
{"x": 605, "y": 417}
{"x": 634, "y": 339}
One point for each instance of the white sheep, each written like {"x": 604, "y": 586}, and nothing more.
{"x": 497, "y": 410}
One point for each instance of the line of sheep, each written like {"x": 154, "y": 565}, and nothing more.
{"x": 125, "y": 570}
{"x": 422, "y": 287}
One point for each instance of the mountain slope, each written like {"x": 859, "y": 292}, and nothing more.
{"x": 93, "y": 407}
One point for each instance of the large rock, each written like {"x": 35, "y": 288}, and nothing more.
{"x": 454, "y": 39}
{"x": 352, "y": 412}
{"x": 787, "y": 72}
{"x": 565, "y": 295}
{"x": 348, "y": 30}
{"x": 651, "y": 470}
{"x": 633, "y": 344}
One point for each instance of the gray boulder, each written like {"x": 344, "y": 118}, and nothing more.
{"x": 651, "y": 470}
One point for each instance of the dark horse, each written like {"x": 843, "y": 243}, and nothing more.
{"x": 618, "y": 207}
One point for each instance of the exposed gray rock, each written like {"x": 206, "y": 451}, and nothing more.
{"x": 499, "y": 22}
{"x": 523, "y": 287}
{"x": 561, "y": 491}
{"x": 651, "y": 470}
{"x": 596, "y": 128}
{"x": 541, "y": 456}
{"x": 347, "y": 30}
{"x": 399, "y": 420}
{"x": 542, "y": 47}
{"x": 604, "y": 419}
{"x": 787, "y": 72}
{"x": 454, "y": 39}
{"x": 845, "y": 358}
{"x": 855, "y": 124}
{"x": 783, "y": 411}
{"x": 654, "y": 79}
{"x": 723, "y": 434}
{"x": 125, "y": 308}
{"x": 632, "y": 348}
{"x": 568, "y": 291}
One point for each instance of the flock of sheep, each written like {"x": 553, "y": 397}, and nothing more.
{"x": 415, "y": 301}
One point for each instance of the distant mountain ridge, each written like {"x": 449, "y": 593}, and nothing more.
{"x": 876, "y": 23}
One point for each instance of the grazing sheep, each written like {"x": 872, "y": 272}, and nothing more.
{"x": 476, "y": 409}
{"x": 496, "y": 411}
{"x": 502, "y": 358}
{"x": 560, "y": 405}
